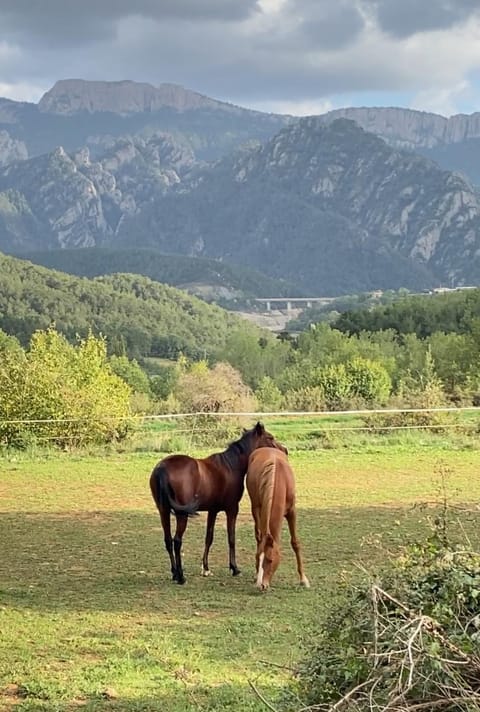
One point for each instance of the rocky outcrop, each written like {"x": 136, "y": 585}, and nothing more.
{"x": 70, "y": 96}
{"x": 11, "y": 149}
{"x": 329, "y": 206}
{"x": 82, "y": 202}
{"x": 406, "y": 128}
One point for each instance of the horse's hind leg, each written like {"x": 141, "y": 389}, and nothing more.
{"x": 182, "y": 520}
{"x": 167, "y": 533}
{"x": 231, "y": 521}
{"x": 292, "y": 525}
{"x": 258, "y": 539}
{"x": 212, "y": 516}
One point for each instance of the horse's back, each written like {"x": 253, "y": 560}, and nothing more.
{"x": 268, "y": 467}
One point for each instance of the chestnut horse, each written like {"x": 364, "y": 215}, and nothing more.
{"x": 271, "y": 486}
{"x": 186, "y": 485}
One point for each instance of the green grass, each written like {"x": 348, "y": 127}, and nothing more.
{"x": 89, "y": 618}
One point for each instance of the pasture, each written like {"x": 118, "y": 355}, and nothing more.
{"x": 90, "y": 620}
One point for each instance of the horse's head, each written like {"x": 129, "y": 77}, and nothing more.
{"x": 262, "y": 438}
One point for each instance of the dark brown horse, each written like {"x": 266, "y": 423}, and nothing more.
{"x": 185, "y": 485}
{"x": 271, "y": 487}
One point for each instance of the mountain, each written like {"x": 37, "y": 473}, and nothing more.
{"x": 327, "y": 206}
{"x": 75, "y": 113}
{"x": 135, "y": 313}
{"x": 75, "y": 201}
{"x": 454, "y": 143}
{"x": 70, "y": 96}
{"x": 11, "y": 149}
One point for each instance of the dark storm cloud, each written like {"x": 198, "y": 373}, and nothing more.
{"x": 402, "y": 18}
{"x": 326, "y": 24}
{"x": 239, "y": 50}
{"x": 79, "y": 22}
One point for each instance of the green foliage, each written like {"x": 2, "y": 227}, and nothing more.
{"x": 423, "y": 315}
{"x": 337, "y": 386}
{"x": 73, "y": 385}
{"x": 306, "y": 398}
{"x": 151, "y": 318}
{"x": 175, "y": 270}
{"x": 164, "y": 381}
{"x": 409, "y": 634}
{"x": 130, "y": 371}
{"x": 369, "y": 381}
{"x": 268, "y": 395}
{"x": 255, "y": 357}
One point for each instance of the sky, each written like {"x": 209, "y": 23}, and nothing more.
{"x": 287, "y": 56}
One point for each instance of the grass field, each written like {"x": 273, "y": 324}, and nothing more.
{"x": 90, "y": 620}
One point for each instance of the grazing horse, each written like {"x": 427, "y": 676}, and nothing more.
{"x": 186, "y": 485}
{"x": 271, "y": 486}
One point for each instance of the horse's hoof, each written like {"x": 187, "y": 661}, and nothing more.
{"x": 305, "y": 582}
{"x": 181, "y": 580}
{"x": 235, "y": 571}
{"x": 206, "y": 572}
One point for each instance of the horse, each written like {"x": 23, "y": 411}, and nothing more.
{"x": 186, "y": 485}
{"x": 271, "y": 487}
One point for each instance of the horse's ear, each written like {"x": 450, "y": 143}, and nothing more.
{"x": 259, "y": 429}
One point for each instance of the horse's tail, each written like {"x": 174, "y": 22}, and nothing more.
{"x": 162, "y": 493}
{"x": 267, "y": 500}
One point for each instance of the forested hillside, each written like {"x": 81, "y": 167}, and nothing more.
{"x": 139, "y": 316}
{"x": 232, "y": 281}
{"x": 452, "y": 312}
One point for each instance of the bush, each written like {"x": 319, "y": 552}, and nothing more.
{"x": 309, "y": 398}
{"x": 405, "y": 637}
{"x": 268, "y": 395}
{"x": 72, "y": 386}
{"x": 204, "y": 391}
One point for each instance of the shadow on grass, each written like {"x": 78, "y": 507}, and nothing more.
{"x": 116, "y": 561}
{"x": 87, "y": 603}
{"x": 225, "y": 696}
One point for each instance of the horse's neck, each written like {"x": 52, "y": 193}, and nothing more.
{"x": 235, "y": 462}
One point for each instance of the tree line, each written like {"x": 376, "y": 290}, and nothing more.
{"x": 417, "y": 352}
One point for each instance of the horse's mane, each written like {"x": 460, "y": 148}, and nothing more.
{"x": 236, "y": 448}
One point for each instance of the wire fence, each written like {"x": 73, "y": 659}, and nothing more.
{"x": 247, "y": 414}
{"x": 196, "y": 427}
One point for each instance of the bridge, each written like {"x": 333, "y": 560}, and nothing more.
{"x": 289, "y": 302}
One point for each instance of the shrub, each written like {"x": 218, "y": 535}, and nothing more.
{"x": 407, "y": 636}
{"x": 268, "y": 395}
{"x": 204, "y": 391}
{"x": 369, "y": 381}
{"x": 73, "y": 386}
{"x": 309, "y": 398}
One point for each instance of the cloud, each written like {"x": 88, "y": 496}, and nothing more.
{"x": 403, "y": 18}
{"x": 82, "y": 22}
{"x": 262, "y": 53}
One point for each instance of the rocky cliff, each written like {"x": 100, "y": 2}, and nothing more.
{"x": 329, "y": 206}
{"x": 406, "y": 128}
{"x": 70, "y": 96}
{"x": 322, "y": 203}
{"x": 11, "y": 149}
{"x": 74, "y": 111}
{"x": 81, "y": 202}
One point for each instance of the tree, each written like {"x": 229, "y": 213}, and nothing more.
{"x": 61, "y": 392}
{"x": 369, "y": 381}
{"x": 131, "y": 373}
